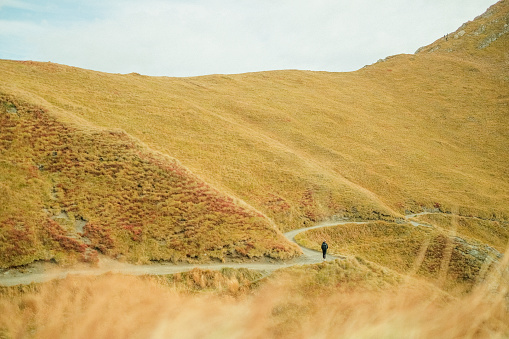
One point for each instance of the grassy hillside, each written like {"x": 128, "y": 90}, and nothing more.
{"x": 415, "y": 130}
{"x": 493, "y": 233}
{"x": 441, "y": 257}
{"x": 213, "y": 168}
{"x": 483, "y": 40}
{"x": 66, "y": 193}
{"x": 89, "y": 155}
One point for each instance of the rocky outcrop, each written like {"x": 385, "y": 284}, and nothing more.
{"x": 479, "y": 34}
{"x": 493, "y": 37}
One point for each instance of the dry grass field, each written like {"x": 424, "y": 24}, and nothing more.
{"x": 341, "y": 299}
{"x": 215, "y": 168}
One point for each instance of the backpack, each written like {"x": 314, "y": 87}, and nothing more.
{"x": 324, "y": 245}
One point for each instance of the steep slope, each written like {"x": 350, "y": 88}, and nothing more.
{"x": 484, "y": 40}
{"x": 67, "y": 193}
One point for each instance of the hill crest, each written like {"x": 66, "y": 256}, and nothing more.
{"x": 484, "y": 39}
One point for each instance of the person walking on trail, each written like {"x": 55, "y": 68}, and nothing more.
{"x": 324, "y": 248}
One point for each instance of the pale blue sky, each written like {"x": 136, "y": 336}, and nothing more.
{"x": 198, "y": 37}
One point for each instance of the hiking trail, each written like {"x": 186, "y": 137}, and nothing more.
{"x": 39, "y": 272}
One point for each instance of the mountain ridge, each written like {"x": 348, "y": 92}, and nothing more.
{"x": 483, "y": 39}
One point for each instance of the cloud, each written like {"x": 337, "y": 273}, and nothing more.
{"x": 17, "y": 4}
{"x": 195, "y": 37}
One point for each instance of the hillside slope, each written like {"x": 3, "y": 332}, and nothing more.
{"x": 484, "y": 40}
{"x": 66, "y": 194}
{"x": 412, "y": 132}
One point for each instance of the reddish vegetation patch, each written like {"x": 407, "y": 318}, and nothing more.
{"x": 133, "y": 201}
{"x": 277, "y": 204}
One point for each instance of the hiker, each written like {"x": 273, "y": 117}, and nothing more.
{"x": 324, "y": 248}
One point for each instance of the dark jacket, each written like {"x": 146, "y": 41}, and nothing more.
{"x": 324, "y": 246}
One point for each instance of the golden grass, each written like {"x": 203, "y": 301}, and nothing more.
{"x": 421, "y": 130}
{"x": 130, "y": 202}
{"x": 84, "y": 167}
{"x": 258, "y": 154}
{"x": 483, "y": 40}
{"x": 446, "y": 259}
{"x": 338, "y": 299}
{"x": 80, "y": 147}
{"x": 491, "y": 232}
{"x": 413, "y": 131}
{"x": 225, "y": 282}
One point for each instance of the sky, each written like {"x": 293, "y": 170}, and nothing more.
{"x": 198, "y": 37}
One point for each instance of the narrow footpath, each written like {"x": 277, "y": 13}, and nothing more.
{"x": 40, "y": 272}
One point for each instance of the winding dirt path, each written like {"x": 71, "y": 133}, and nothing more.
{"x": 41, "y": 272}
